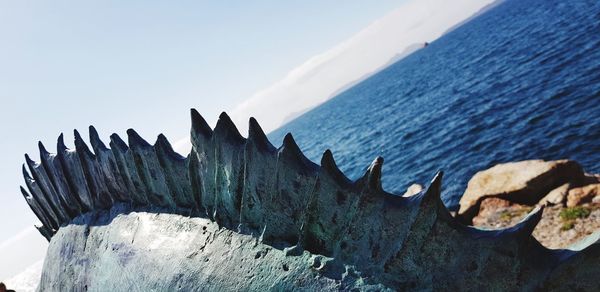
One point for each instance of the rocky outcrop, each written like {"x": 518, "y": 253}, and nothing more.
{"x": 499, "y": 213}
{"x": 571, "y": 213}
{"x": 582, "y": 195}
{"x": 240, "y": 214}
{"x": 556, "y": 196}
{"x": 523, "y": 182}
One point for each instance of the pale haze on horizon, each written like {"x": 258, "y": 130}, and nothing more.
{"x": 314, "y": 81}
{"x": 140, "y": 64}
{"x": 335, "y": 58}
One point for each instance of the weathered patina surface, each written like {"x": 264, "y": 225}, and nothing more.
{"x": 240, "y": 214}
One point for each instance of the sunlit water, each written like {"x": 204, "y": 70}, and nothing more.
{"x": 522, "y": 81}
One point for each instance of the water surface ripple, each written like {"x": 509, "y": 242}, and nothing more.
{"x": 521, "y": 81}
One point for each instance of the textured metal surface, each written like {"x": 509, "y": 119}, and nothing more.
{"x": 267, "y": 198}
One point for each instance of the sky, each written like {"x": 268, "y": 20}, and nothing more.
{"x": 144, "y": 64}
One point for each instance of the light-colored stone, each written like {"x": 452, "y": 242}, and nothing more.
{"x": 499, "y": 213}
{"x": 523, "y": 182}
{"x": 556, "y": 196}
{"x": 552, "y": 232}
{"x": 413, "y": 190}
{"x": 581, "y": 195}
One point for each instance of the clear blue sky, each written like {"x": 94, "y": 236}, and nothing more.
{"x": 143, "y": 64}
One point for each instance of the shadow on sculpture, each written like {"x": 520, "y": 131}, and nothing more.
{"x": 288, "y": 202}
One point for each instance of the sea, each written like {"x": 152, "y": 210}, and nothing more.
{"x": 521, "y": 81}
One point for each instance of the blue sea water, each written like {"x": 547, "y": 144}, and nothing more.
{"x": 521, "y": 81}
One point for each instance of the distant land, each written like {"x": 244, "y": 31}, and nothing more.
{"x": 407, "y": 51}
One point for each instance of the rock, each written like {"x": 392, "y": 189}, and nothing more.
{"x": 523, "y": 182}
{"x": 581, "y": 195}
{"x": 499, "y": 213}
{"x": 556, "y": 196}
{"x": 413, "y": 190}
{"x": 556, "y": 232}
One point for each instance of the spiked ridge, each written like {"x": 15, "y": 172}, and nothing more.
{"x": 288, "y": 202}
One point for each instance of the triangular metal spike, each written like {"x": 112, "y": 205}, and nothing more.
{"x": 372, "y": 176}
{"x": 290, "y": 148}
{"x": 118, "y": 143}
{"x": 328, "y": 165}
{"x": 45, "y": 231}
{"x": 60, "y": 144}
{"x": 435, "y": 186}
{"x": 434, "y": 192}
{"x": 25, "y": 193}
{"x": 227, "y": 129}
{"x": 30, "y": 163}
{"x": 33, "y": 205}
{"x": 43, "y": 151}
{"x": 163, "y": 145}
{"x": 290, "y": 145}
{"x": 80, "y": 145}
{"x": 199, "y": 125}
{"x": 258, "y": 137}
{"x": 135, "y": 140}
{"x": 97, "y": 144}
{"x": 26, "y": 174}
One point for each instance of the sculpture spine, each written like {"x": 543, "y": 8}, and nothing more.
{"x": 285, "y": 200}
